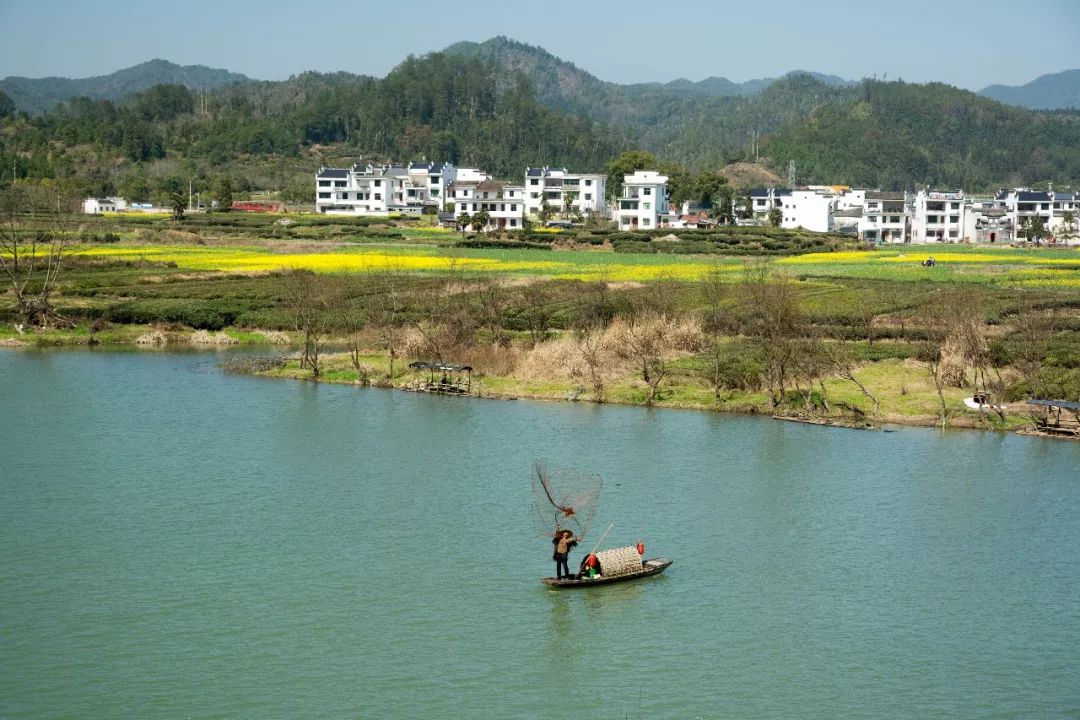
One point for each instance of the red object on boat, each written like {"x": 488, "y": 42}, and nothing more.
{"x": 640, "y": 548}
{"x": 591, "y": 560}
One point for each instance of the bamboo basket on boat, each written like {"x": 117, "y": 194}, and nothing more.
{"x": 619, "y": 561}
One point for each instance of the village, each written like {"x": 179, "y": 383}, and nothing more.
{"x": 463, "y": 197}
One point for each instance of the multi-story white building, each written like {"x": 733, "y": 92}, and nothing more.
{"x": 885, "y": 217}
{"x": 382, "y": 189}
{"x": 1022, "y": 206}
{"x": 644, "y": 199}
{"x": 938, "y": 216}
{"x": 807, "y": 208}
{"x": 503, "y": 203}
{"x": 564, "y": 192}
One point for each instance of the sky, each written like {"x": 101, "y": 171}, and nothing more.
{"x": 964, "y": 43}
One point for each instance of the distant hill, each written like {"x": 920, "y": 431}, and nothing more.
{"x": 36, "y": 95}
{"x": 562, "y": 84}
{"x": 703, "y": 124}
{"x": 1057, "y": 91}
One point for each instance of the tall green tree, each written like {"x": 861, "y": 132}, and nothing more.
{"x": 223, "y": 191}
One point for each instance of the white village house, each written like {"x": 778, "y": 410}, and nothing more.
{"x": 382, "y": 189}
{"x": 96, "y": 206}
{"x": 644, "y": 199}
{"x": 579, "y": 193}
{"x": 503, "y": 203}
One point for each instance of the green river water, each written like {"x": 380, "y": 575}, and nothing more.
{"x": 176, "y": 542}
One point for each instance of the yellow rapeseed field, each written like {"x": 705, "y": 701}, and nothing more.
{"x": 613, "y": 268}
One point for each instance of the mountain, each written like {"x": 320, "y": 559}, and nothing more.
{"x": 563, "y": 85}
{"x": 897, "y": 135}
{"x": 1057, "y": 91}
{"x": 708, "y": 123}
{"x": 37, "y": 95}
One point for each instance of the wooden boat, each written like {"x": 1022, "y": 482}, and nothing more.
{"x": 654, "y": 566}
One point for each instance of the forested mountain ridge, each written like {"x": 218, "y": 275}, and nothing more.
{"x": 37, "y": 95}
{"x": 896, "y": 135}
{"x": 527, "y": 107}
{"x": 1056, "y": 91}
{"x": 450, "y": 108}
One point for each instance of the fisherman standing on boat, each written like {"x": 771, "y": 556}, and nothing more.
{"x": 563, "y": 542}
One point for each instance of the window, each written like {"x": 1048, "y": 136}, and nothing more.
{"x": 954, "y": 233}
{"x": 434, "y": 193}
{"x": 647, "y": 191}
{"x": 378, "y": 183}
{"x": 535, "y": 195}
{"x": 1046, "y": 206}
{"x": 513, "y": 208}
{"x": 954, "y": 219}
{"x": 464, "y": 207}
{"x": 588, "y": 196}
{"x": 474, "y": 207}
{"x": 646, "y": 206}
{"x": 378, "y": 196}
{"x": 954, "y": 206}
{"x": 502, "y": 207}
{"x": 588, "y": 183}
{"x": 325, "y": 195}
{"x": 933, "y": 219}
{"x": 871, "y": 218}
{"x": 513, "y": 222}
{"x": 645, "y": 221}
{"x": 534, "y": 181}
{"x": 324, "y": 183}
{"x": 871, "y": 206}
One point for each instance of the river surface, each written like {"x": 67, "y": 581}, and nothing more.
{"x": 177, "y": 542}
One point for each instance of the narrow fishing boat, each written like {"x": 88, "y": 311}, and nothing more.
{"x": 570, "y": 499}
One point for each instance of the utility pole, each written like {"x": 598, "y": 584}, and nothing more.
{"x": 189, "y": 194}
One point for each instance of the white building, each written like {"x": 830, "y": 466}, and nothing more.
{"x": 807, "y": 208}
{"x": 579, "y": 193}
{"x": 503, "y": 203}
{"x": 644, "y": 199}
{"x": 885, "y": 217}
{"x": 96, "y": 206}
{"x": 382, "y": 189}
{"x": 471, "y": 175}
{"x": 1021, "y": 206}
{"x": 938, "y": 216}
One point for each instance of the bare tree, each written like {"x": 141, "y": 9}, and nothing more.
{"x": 643, "y": 339}
{"x": 33, "y": 247}
{"x": 772, "y": 319}
{"x": 493, "y": 304}
{"x": 310, "y": 298}
{"x": 350, "y": 316}
{"x": 591, "y": 346}
{"x": 537, "y": 311}
{"x": 387, "y": 311}
{"x": 955, "y": 341}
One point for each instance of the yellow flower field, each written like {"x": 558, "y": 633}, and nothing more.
{"x": 576, "y": 266}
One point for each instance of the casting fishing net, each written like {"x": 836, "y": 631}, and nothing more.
{"x": 563, "y": 500}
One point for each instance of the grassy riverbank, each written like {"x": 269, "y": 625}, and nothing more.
{"x": 764, "y": 321}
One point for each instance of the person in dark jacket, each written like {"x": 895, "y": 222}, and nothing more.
{"x": 563, "y": 542}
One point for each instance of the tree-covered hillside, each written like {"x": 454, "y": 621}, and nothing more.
{"x": 438, "y": 106}
{"x": 897, "y": 135}
{"x": 503, "y": 105}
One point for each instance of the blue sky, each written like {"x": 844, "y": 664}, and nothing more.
{"x": 969, "y": 44}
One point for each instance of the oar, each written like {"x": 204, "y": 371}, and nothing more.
{"x": 602, "y": 538}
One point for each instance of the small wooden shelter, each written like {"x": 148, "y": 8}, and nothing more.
{"x": 443, "y": 378}
{"x": 1058, "y": 418}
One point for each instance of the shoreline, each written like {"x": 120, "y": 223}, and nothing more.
{"x": 339, "y": 372}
